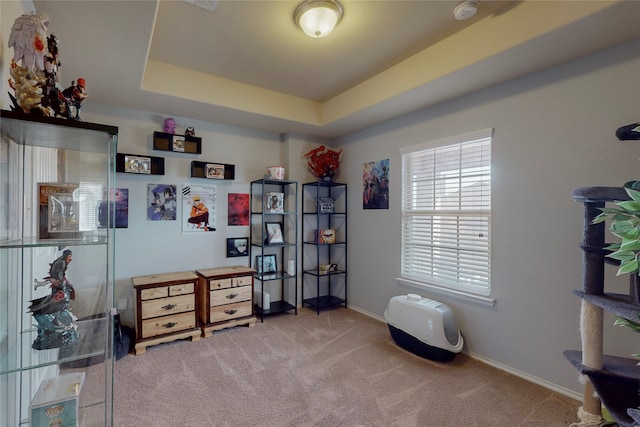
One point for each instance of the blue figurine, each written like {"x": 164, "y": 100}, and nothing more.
{"x": 57, "y": 326}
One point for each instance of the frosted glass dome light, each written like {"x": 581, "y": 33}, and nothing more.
{"x": 317, "y": 18}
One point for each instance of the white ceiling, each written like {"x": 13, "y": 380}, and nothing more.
{"x": 247, "y": 64}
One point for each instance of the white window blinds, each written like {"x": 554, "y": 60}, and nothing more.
{"x": 446, "y": 213}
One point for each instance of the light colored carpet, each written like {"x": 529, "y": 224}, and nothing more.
{"x": 340, "y": 368}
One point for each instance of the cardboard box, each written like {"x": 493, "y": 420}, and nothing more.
{"x": 56, "y": 402}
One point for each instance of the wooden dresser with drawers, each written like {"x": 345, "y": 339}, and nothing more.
{"x": 225, "y": 298}
{"x": 165, "y": 308}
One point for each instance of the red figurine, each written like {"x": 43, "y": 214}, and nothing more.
{"x": 323, "y": 162}
{"x": 75, "y": 94}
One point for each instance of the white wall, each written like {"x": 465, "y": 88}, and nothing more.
{"x": 554, "y": 132}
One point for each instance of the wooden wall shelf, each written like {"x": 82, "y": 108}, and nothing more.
{"x": 163, "y": 141}
{"x": 156, "y": 164}
{"x": 223, "y": 170}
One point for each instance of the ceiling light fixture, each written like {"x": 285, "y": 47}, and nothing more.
{"x": 317, "y": 18}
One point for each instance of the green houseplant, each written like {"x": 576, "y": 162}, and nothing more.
{"x": 625, "y": 224}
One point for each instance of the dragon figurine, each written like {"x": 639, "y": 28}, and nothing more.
{"x": 323, "y": 162}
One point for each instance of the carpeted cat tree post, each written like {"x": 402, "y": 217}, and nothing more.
{"x": 591, "y": 316}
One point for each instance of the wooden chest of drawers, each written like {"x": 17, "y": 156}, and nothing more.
{"x": 225, "y": 298}
{"x": 165, "y": 308}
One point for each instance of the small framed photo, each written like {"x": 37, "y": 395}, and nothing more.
{"x": 237, "y": 246}
{"x": 274, "y": 233}
{"x": 215, "y": 171}
{"x": 178, "y": 143}
{"x": 274, "y": 202}
{"x": 266, "y": 264}
{"x": 325, "y": 204}
{"x": 137, "y": 164}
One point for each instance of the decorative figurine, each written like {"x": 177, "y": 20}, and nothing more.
{"x": 323, "y": 162}
{"x": 28, "y": 38}
{"x": 75, "y": 94}
{"x": 190, "y": 131}
{"x": 57, "y": 326}
{"x": 169, "y": 126}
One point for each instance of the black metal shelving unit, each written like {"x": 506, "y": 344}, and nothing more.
{"x": 287, "y": 250}
{"x": 330, "y": 288}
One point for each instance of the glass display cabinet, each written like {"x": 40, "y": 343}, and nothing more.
{"x": 57, "y": 208}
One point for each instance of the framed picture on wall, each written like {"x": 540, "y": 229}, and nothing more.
{"x": 237, "y": 246}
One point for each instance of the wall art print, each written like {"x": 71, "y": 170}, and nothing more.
{"x": 161, "y": 202}
{"x": 375, "y": 184}
{"x": 119, "y": 201}
{"x": 237, "y": 246}
{"x": 238, "y": 209}
{"x": 198, "y": 208}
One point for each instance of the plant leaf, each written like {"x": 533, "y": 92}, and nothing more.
{"x": 630, "y": 244}
{"x": 622, "y": 255}
{"x": 628, "y": 267}
{"x": 621, "y": 321}
{"x": 634, "y": 194}
{"x": 631, "y": 205}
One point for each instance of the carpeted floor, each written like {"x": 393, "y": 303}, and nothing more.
{"x": 340, "y": 368}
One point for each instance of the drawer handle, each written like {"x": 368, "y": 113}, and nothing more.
{"x": 232, "y": 296}
{"x": 233, "y": 311}
{"x": 169, "y": 325}
{"x": 179, "y": 289}
{"x": 169, "y": 306}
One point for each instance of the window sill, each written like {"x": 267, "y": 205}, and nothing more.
{"x": 465, "y": 296}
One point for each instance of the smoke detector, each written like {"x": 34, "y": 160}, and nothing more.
{"x": 465, "y": 10}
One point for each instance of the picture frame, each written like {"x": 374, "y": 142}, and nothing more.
{"x": 59, "y": 227}
{"x": 237, "y": 246}
{"x": 178, "y": 143}
{"x": 325, "y": 205}
{"x": 274, "y": 233}
{"x": 137, "y": 164}
{"x": 274, "y": 202}
{"x": 266, "y": 264}
{"x": 214, "y": 171}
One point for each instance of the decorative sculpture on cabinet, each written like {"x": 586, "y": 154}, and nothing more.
{"x": 57, "y": 326}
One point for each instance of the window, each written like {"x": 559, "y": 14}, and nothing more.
{"x": 446, "y": 214}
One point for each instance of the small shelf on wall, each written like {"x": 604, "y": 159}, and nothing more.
{"x": 212, "y": 170}
{"x": 163, "y": 141}
{"x": 136, "y": 164}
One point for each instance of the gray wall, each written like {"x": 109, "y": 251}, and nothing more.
{"x": 553, "y": 132}
{"x": 152, "y": 247}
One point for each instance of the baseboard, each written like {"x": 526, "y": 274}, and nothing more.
{"x": 524, "y": 375}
